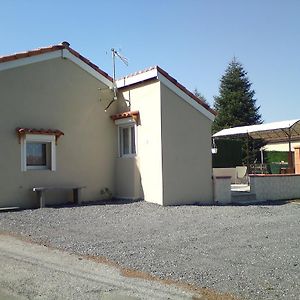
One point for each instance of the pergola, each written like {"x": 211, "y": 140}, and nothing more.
{"x": 284, "y": 131}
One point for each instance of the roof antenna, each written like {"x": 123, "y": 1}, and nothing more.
{"x": 115, "y": 54}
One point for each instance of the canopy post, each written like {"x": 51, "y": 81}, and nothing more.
{"x": 290, "y": 158}
{"x": 261, "y": 156}
{"x": 248, "y": 160}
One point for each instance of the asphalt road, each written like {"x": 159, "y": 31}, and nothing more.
{"x": 31, "y": 271}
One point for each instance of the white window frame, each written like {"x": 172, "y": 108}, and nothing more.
{"x": 38, "y": 138}
{"x": 126, "y": 123}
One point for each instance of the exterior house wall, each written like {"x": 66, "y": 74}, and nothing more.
{"x": 280, "y": 146}
{"x": 297, "y": 159}
{"x": 186, "y": 152}
{"x": 143, "y": 175}
{"x": 128, "y": 178}
{"x": 55, "y": 94}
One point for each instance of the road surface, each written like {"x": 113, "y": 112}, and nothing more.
{"x": 32, "y": 271}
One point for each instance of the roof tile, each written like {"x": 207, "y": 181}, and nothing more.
{"x": 126, "y": 114}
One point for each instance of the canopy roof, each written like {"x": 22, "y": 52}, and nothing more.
{"x": 271, "y": 132}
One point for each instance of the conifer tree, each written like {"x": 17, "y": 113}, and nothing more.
{"x": 236, "y": 106}
{"x": 200, "y": 96}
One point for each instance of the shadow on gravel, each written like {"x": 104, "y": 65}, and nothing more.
{"x": 268, "y": 203}
{"x": 93, "y": 203}
{"x": 9, "y": 209}
{"x": 69, "y": 204}
{"x": 122, "y": 202}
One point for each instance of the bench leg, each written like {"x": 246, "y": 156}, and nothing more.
{"x": 76, "y": 196}
{"x": 41, "y": 198}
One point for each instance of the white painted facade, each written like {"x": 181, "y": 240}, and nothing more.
{"x": 170, "y": 161}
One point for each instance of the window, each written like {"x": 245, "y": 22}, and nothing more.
{"x": 38, "y": 152}
{"x": 127, "y": 132}
{"x": 127, "y": 140}
{"x": 38, "y": 155}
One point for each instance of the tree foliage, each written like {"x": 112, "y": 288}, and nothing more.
{"x": 235, "y": 104}
{"x": 200, "y": 96}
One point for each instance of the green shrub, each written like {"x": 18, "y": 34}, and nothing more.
{"x": 276, "y": 156}
{"x": 229, "y": 154}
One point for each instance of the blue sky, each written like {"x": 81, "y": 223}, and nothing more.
{"x": 193, "y": 40}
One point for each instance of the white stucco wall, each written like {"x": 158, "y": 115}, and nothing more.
{"x": 145, "y": 98}
{"x": 222, "y": 189}
{"x": 186, "y": 152}
{"x": 225, "y": 172}
{"x": 173, "y": 148}
{"x": 275, "y": 187}
{"x": 55, "y": 94}
{"x": 128, "y": 178}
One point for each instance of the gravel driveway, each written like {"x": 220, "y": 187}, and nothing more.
{"x": 249, "y": 251}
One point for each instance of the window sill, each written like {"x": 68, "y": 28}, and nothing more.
{"x": 128, "y": 156}
{"x": 37, "y": 169}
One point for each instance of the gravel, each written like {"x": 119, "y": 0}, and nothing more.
{"x": 248, "y": 251}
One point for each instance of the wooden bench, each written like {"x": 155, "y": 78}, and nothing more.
{"x": 41, "y": 192}
{"x": 9, "y": 208}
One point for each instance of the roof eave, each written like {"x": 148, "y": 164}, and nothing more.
{"x": 169, "y": 81}
{"x": 268, "y": 131}
{"x": 51, "y": 52}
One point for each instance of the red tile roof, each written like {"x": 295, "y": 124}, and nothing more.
{"x": 127, "y": 114}
{"x": 63, "y": 45}
{"x": 174, "y": 81}
{"x": 22, "y": 131}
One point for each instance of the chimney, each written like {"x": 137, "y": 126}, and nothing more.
{"x": 65, "y": 44}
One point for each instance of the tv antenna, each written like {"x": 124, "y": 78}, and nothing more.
{"x": 115, "y": 54}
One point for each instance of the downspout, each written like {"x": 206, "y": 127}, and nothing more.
{"x": 248, "y": 161}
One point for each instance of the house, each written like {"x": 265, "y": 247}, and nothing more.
{"x": 280, "y": 146}
{"x": 153, "y": 142}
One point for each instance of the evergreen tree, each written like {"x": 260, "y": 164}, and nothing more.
{"x": 236, "y": 106}
{"x": 200, "y": 96}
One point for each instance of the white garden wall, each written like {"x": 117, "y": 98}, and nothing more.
{"x": 222, "y": 191}
{"x": 275, "y": 186}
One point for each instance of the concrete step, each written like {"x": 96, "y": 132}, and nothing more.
{"x": 245, "y": 198}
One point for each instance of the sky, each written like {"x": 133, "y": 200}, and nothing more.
{"x": 193, "y": 40}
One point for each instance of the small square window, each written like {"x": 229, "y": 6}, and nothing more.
{"x": 38, "y": 152}
{"x": 38, "y": 155}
